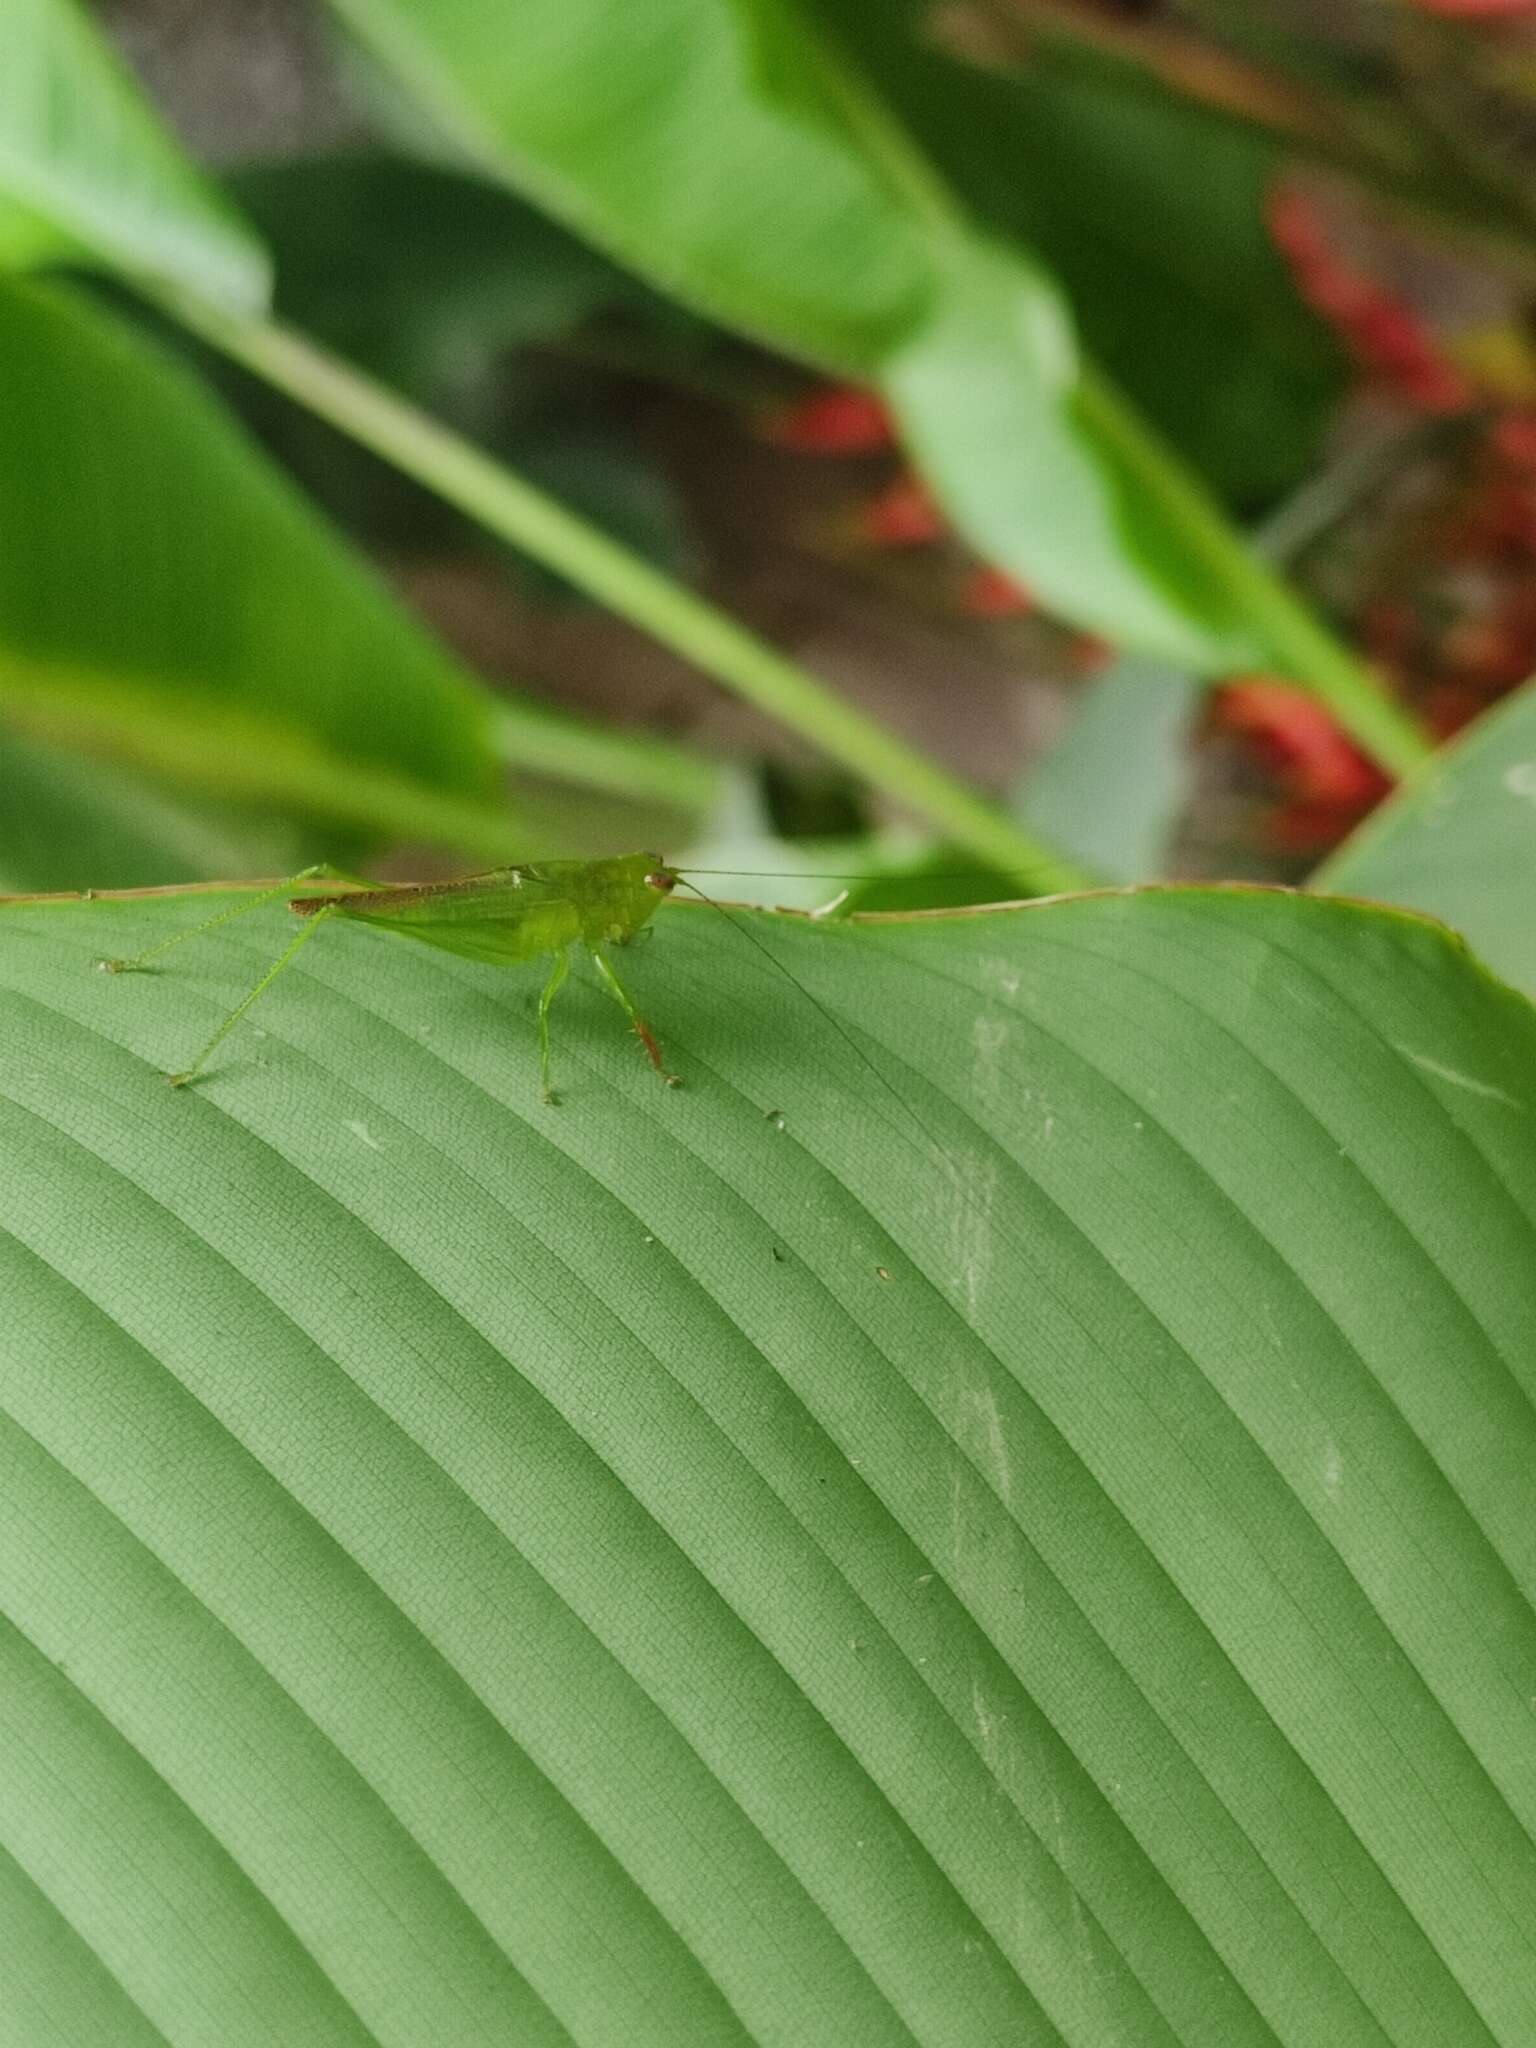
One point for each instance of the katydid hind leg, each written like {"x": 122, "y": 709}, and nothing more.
{"x": 641, "y": 1029}
{"x": 135, "y": 961}
{"x": 557, "y": 975}
{"x": 279, "y": 966}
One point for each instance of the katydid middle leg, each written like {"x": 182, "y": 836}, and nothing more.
{"x": 557, "y": 974}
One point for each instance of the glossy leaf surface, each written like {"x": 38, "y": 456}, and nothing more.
{"x": 1459, "y": 840}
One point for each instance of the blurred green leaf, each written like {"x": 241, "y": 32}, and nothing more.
{"x": 1111, "y": 789}
{"x": 632, "y": 125}
{"x": 741, "y": 854}
{"x": 1043, "y": 1556}
{"x": 531, "y": 519}
{"x": 88, "y": 173}
{"x": 420, "y": 274}
{"x": 1459, "y": 840}
{"x": 461, "y": 296}
{"x": 988, "y": 394}
{"x": 940, "y": 879}
{"x": 164, "y": 595}
{"x": 65, "y": 821}
{"x": 1151, "y": 211}
{"x": 743, "y": 164}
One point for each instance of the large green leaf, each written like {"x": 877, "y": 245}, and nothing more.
{"x": 1037, "y": 1552}
{"x": 87, "y": 172}
{"x": 725, "y": 150}
{"x": 1459, "y": 840}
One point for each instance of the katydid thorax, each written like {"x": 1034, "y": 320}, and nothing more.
{"x": 534, "y": 910}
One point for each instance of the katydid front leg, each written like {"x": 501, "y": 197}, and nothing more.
{"x": 642, "y": 1030}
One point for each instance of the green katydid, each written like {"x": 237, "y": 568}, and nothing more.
{"x": 505, "y": 917}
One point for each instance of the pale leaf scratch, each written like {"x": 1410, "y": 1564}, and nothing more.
{"x": 1457, "y": 1080}
{"x": 1000, "y": 1464}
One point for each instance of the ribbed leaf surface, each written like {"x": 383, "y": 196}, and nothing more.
{"x": 1034, "y": 1548}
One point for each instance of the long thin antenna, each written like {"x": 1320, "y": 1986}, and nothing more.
{"x": 827, "y": 1017}
{"x": 842, "y": 875}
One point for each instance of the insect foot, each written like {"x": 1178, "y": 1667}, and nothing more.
{"x": 110, "y": 966}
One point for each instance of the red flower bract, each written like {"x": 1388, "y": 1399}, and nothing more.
{"x": 1317, "y": 763}
{"x": 836, "y": 419}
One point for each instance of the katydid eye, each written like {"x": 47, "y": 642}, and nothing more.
{"x": 658, "y": 878}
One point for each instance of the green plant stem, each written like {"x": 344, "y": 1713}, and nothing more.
{"x": 1302, "y": 647}
{"x": 518, "y": 512}
{"x": 536, "y": 740}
